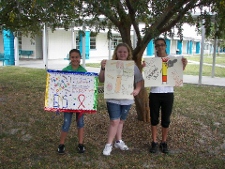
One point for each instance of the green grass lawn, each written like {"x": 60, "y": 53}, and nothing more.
{"x": 30, "y": 136}
{"x": 220, "y": 59}
{"x": 193, "y": 69}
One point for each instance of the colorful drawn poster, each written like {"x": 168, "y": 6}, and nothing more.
{"x": 119, "y": 79}
{"x": 167, "y": 71}
{"x": 71, "y": 91}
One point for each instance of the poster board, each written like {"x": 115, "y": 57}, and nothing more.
{"x": 71, "y": 91}
{"x": 166, "y": 71}
{"x": 119, "y": 79}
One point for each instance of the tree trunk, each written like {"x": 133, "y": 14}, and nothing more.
{"x": 142, "y": 106}
{"x": 142, "y": 100}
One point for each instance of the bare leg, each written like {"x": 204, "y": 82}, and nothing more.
{"x": 112, "y": 130}
{"x": 63, "y": 137}
{"x": 164, "y": 134}
{"x": 119, "y": 130}
{"x": 81, "y": 135}
{"x": 154, "y": 133}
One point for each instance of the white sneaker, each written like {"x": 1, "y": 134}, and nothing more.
{"x": 121, "y": 145}
{"x": 107, "y": 150}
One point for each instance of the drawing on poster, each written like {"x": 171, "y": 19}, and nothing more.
{"x": 165, "y": 71}
{"x": 71, "y": 91}
{"x": 119, "y": 78}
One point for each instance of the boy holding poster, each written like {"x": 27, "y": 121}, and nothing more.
{"x": 74, "y": 66}
{"x": 161, "y": 97}
{"x": 118, "y": 108}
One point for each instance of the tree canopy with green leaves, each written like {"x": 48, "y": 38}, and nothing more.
{"x": 158, "y": 16}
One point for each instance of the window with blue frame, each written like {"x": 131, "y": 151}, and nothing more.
{"x": 92, "y": 42}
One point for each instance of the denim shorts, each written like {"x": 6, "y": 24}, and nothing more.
{"x": 117, "y": 111}
{"x": 68, "y": 119}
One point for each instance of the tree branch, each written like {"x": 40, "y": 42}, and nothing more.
{"x": 132, "y": 12}
{"x": 178, "y": 17}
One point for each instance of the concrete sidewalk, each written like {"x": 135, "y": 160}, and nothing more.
{"x": 60, "y": 64}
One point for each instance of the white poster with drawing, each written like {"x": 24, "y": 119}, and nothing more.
{"x": 166, "y": 71}
{"x": 71, "y": 91}
{"x": 119, "y": 79}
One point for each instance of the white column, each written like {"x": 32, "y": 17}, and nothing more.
{"x": 110, "y": 49}
{"x": 44, "y": 40}
{"x": 83, "y": 49}
{"x": 74, "y": 41}
{"x": 72, "y": 31}
{"x": 16, "y": 51}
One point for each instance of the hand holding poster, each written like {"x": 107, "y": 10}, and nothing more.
{"x": 71, "y": 91}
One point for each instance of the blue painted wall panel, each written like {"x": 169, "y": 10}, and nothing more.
{"x": 87, "y": 43}
{"x": 8, "y": 40}
{"x": 150, "y": 48}
{"x": 179, "y": 46}
{"x": 197, "y": 47}
{"x": 191, "y": 44}
{"x": 168, "y": 46}
{"x": 188, "y": 46}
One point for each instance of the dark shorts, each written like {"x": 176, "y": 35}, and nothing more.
{"x": 163, "y": 102}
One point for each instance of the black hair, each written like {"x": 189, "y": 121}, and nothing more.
{"x": 162, "y": 39}
{"x": 74, "y": 50}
